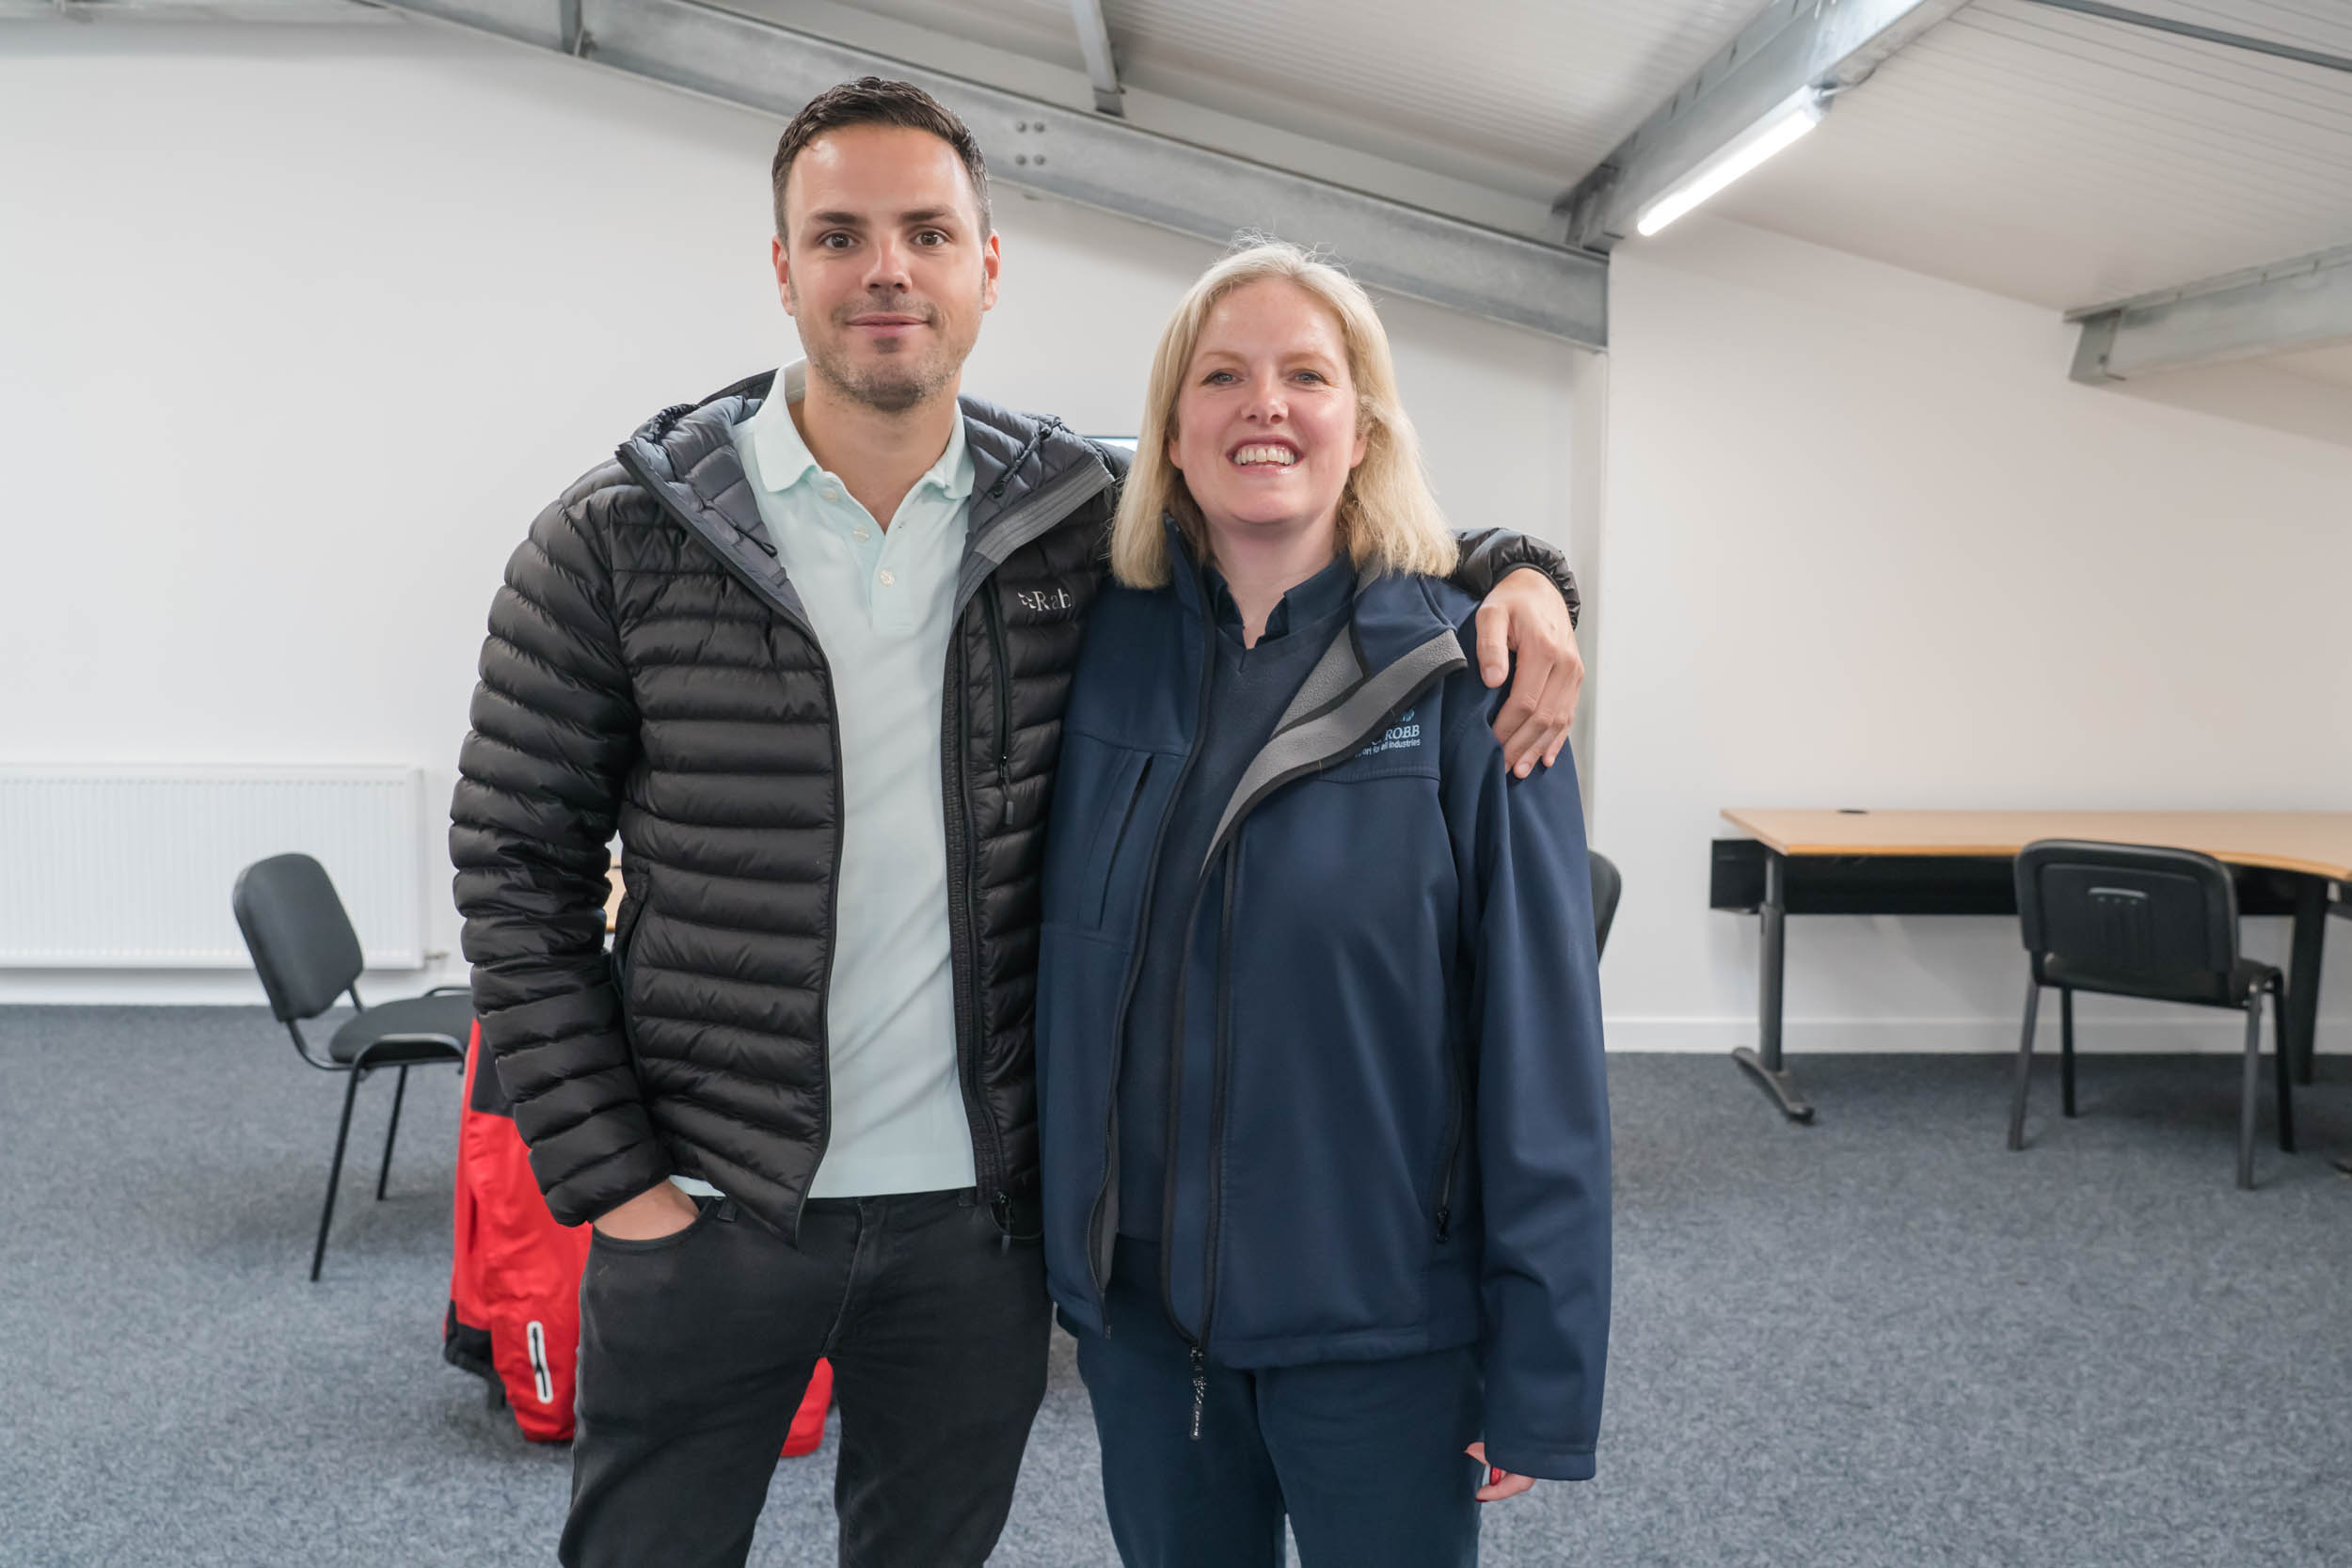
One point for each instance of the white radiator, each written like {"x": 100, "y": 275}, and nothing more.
{"x": 110, "y": 867}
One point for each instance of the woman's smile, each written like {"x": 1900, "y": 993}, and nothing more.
{"x": 1266, "y": 427}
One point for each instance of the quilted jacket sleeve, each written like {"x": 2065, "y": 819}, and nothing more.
{"x": 1491, "y": 554}
{"x": 539, "y": 786}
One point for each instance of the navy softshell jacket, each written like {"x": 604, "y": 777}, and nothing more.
{"x": 1388, "y": 1123}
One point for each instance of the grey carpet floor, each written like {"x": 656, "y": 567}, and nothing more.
{"x": 1881, "y": 1339}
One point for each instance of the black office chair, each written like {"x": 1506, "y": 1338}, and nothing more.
{"x": 1607, "y": 887}
{"x": 308, "y": 955}
{"x": 2135, "y": 920}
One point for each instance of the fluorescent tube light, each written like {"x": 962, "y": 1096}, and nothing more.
{"x": 1790, "y": 120}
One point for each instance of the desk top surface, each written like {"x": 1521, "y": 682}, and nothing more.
{"x": 2318, "y": 843}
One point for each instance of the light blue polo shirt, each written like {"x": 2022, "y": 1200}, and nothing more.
{"x": 881, "y": 602}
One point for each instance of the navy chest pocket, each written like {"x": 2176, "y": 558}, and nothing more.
{"x": 1103, "y": 818}
{"x": 1113, "y": 830}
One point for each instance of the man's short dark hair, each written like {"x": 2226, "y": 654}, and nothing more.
{"x": 874, "y": 100}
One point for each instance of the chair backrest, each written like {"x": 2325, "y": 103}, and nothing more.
{"x": 2128, "y": 917}
{"x": 301, "y": 940}
{"x": 1607, "y": 885}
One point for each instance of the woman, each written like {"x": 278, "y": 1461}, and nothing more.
{"x": 1319, "y": 1052}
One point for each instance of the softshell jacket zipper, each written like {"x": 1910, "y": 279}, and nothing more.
{"x": 1221, "y": 1074}
{"x": 1228, "y": 851}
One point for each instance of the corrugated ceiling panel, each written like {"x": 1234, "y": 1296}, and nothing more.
{"x": 2068, "y": 160}
{"x": 1522, "y": 95}
{"x": 1546, "y": 85}
{"x": 2032, "y": 151}
{"x": 2321, "y": 24}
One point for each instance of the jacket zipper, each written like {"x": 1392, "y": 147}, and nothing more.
{"x": 955, "y": 750}
{"x": 1453, "y": 1109}
{"x": 1216, "y": 1151}
{"x": 1199, "y": 1342}
{"x": 1221, "y": 1047}
{"x": 624, "y": 937}
{"x": 994, "y": 615}
{"x": 956, "y": 757}
{"x": 659, "y": 492}
{"x": 1069, "y": 489}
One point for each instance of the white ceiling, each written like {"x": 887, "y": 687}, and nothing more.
{"x": 2052, "y": 157}
{"x": 2331, "y": 365}
{"x": 1521, "y": 96}
{"x": 2069, "y": 160}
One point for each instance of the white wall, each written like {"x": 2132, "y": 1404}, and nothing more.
{"x": 1866, "y": 545}
{"x": 302, "y": 326}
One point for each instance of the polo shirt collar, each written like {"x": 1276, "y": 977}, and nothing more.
{"x": 785, "y": 461}
{"x": 1304, "y": 605}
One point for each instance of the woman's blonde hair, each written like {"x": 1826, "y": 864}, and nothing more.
{"x": 1387, "y": 519}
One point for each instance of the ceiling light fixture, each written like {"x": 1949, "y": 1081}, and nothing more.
{"x": 1788, "y": 120}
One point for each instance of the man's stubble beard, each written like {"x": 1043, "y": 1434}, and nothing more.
{"x": 901, "y": 381}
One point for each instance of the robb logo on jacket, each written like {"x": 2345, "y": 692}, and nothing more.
{"x": 1404, "y": 733}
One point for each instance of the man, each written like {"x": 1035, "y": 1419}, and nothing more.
{"x": 806, "y": 644}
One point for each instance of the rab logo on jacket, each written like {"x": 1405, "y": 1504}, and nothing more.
{"x": 1404, "y": 733}
{"x": 1045, "y": 603}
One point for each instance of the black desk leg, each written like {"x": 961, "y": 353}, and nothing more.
{"x": 2300, "y": 1035}
{"x": 1764, "y": 1062}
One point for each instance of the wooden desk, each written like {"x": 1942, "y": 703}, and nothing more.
{"x": 1961, "y": 863}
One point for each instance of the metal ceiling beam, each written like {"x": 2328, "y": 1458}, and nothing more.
{"x": 1089, "y": 159}
{"x": 1094, "y": 43}
{"x": 2305, "y": 303}
{"x": 1829, "y": 45}
{"x": 305, "y": 12}
{"x": 2200, "y": 32}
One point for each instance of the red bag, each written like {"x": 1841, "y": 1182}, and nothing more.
{"x": 808, "y": 1423}
{"x": 514, "y": 1283}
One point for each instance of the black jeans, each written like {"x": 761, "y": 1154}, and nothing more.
{"x": 695, "y": 1349}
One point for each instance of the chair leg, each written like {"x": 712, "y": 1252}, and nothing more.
{"x": 2286, "y": 1077}
{"x": 2025, "y": 1066}
{"x": 334, "y": 1176}
{"x": 400, "y": 1089}
{"x": 2066, "y": 1047}
{"x": 2248, "y": 1086}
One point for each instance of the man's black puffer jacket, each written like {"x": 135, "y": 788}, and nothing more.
{"x": 649, "y": 669}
